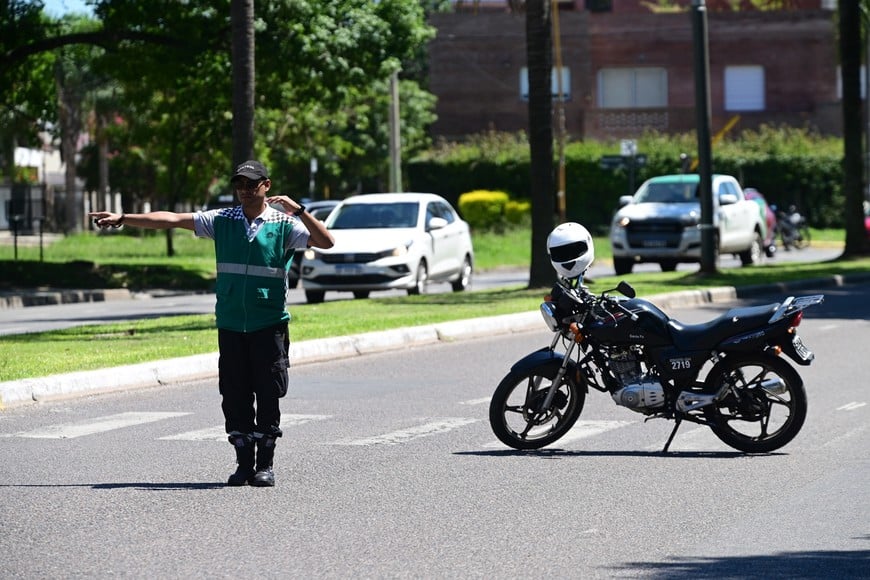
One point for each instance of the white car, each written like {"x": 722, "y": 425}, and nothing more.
{"x": 661, "y": 223}
{"x": 386, "y": 241}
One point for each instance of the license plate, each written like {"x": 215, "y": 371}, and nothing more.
{"x": 801, "y": 349}
{"x": 654, "y": 243}
{"x": 348, "y": 269}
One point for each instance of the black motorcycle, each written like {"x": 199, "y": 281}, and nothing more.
{"x": 750, "y": 397}
{"x": 793, "y": 230}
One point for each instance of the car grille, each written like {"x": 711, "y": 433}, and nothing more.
{"x": 654, "y": 234}
{"x": 366, "y": 279}
{"x": 363, "y": 258}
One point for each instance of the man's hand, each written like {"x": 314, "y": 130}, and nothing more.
{"x": 288, "y": 204}
{"x": 105, "y": 219}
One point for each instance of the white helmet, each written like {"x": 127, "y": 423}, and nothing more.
{"x": 570, "y": 249}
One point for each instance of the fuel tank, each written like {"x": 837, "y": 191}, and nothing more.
{"x": 650, "y": 328}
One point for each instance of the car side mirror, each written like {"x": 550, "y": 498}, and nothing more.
{"x": 436, "y": 223}
{"x": 727, "y": 199}
{"x": 624, "y": 200}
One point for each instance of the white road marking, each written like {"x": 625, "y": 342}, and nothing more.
{"x": 97, "y": 425}
{"x": 851, "y": 406}
{"x": 411, "y": 433}
{"x": 580, "y": 430}
{"x": 479, "y": 401}
{"x": 218, "y": 433}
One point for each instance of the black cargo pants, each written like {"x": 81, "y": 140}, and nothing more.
{"x": 252, "y": 376}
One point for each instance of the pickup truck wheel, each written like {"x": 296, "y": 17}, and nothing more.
{"x": 754, "y": 253}
{"x": 622, "y": 266}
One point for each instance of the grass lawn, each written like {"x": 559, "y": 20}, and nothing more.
{"x": 101, "y": 346}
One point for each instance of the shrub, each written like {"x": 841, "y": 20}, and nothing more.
{"x": 483, "y": 209}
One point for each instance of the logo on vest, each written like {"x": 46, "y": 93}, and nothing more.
{"x": 263, "y": 293}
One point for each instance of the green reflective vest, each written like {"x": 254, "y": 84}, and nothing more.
{"x": 251, "y": 274}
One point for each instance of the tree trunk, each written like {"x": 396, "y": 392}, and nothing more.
{"x": 242, "y": 14}
{"x": 539, "y": 52}
{"x": 853, "y": 162}
{"x": 70, "y": 127}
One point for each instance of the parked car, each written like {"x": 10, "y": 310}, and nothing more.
{"x": 390, "y": 240}
{"x": 660, "y": 223}
{"x": 320, "y": 210}
{"x": 769, "y": 221}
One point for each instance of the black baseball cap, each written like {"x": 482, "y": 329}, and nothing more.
{"x": 253, "y": 170}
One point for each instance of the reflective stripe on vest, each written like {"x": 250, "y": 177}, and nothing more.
{"x": 243, "y": 269}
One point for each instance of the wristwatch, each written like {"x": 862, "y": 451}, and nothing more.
{"x": 299, "y": 211}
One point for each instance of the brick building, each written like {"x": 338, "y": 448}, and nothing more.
{"x": 627, "y": 69}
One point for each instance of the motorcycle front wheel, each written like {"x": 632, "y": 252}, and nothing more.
{"x": 764, "y": 405}
{"x": 517, "y": 414}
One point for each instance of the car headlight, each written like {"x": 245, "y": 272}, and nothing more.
{"x": 310, "y": 254}
{"x": 622, "y": 222}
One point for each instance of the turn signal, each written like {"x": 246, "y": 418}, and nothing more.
{"x": 575, "y": 330}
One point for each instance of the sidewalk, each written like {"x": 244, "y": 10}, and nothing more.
{"x": 204, "y": 366}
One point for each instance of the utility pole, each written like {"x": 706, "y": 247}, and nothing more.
{"x": 395, "y": 136}
{"x": 702, "y": 112}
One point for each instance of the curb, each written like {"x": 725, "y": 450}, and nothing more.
{"x": 52, "y": 297}
{"x": 204, "y": 366}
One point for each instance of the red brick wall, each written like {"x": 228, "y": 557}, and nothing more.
{"x": 475, "y": 64}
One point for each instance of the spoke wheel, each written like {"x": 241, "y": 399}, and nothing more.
{"x": 764, "y": 405}
{"x": 517, "y": 413}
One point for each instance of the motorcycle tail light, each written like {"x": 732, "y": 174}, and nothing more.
{"x": 796, "y": 319}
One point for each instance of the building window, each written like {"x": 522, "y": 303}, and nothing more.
{"x": 632, "y": 88}
{"x": 554, "y": 87}
{"x": 744, "y": 88}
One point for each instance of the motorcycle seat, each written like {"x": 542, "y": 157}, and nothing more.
{"x": 706, "y": 335}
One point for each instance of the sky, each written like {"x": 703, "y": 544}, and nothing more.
{"x": 61, "y": 7}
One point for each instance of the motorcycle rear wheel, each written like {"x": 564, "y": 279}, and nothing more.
{"x": 516, "y": 412}
{"x": 765, "y": 406}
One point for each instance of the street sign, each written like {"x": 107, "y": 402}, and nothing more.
{"x": 628, "y": 147}
{"x": 621, "y": 162}
{"x": 611, "y": 162}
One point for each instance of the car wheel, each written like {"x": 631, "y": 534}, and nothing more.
{"x": 360, "y": 294}
{"x": 754, "y": 253}
{"x": 314, "y": 296}
{"x": 668, "y": 265}
{"x": 623, "y": 266}
{"x": 464, "y": 279}
{"x": 422, "y": 280}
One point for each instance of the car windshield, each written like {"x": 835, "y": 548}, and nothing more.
{"x": 668, "y": 193}
{"x": 376, "y": 215}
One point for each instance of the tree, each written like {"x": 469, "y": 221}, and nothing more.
{"x": 853, "y": 164}
{"x": 244, "y": 87}
{"x": 539, "y": 52}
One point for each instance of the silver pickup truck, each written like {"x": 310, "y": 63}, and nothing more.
{"x": 660, "y": 223}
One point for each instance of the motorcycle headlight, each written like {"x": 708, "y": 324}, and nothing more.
{"x": 548, "y": 312}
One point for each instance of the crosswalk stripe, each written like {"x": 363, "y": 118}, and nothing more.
{"x": 405, "y": 435}
{"x": 580, "y": 430}
{"x": 218, "y": 433}
{"x": 96, "y": 425}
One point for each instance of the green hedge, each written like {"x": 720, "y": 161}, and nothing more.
{"x": 788, "y": 166}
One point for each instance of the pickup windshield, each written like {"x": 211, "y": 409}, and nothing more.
{"x": 668, "y": 193}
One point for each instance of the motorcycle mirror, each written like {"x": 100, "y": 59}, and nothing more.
{"x": 625, "y": 289}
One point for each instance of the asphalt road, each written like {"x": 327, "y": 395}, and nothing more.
{"x": 388, "y": 469}
{"x": 43, "y": 318}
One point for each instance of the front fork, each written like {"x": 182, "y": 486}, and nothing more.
{"x": 563, "y": 368}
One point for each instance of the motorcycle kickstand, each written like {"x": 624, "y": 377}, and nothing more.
{"x": 673, "y": 434}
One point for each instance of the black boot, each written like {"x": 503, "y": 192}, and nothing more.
{"x": 244, "y": 445}
{"x": 265, "y": 454}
